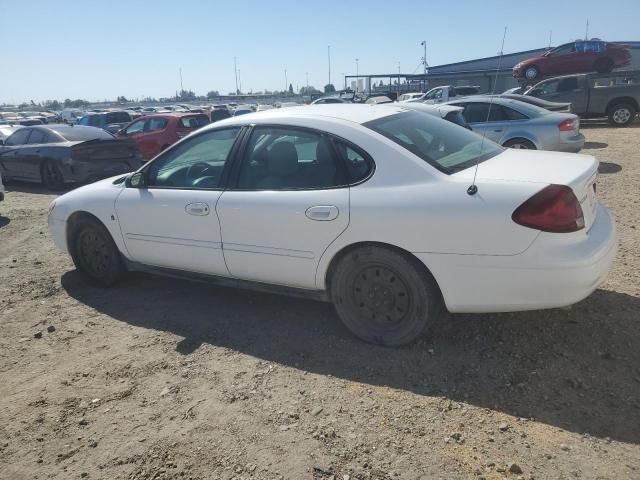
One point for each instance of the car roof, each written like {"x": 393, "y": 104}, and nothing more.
{"x": 440, "y": 110}
{"x": 339, "y": 111}
{"x": 170, "y": 115}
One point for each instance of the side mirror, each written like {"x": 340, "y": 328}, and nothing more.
{"x": 121, "y": 133}
{"x": 137, "y": 180}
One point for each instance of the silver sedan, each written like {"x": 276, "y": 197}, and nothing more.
{"x": 516, "y": 124}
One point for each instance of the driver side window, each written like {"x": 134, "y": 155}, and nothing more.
{"x": 135, "y": 127}
{"x": 196, "y": 163}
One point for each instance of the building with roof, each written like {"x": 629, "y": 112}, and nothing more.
{"x": 483, "y": 72}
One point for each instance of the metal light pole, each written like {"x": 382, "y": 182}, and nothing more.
{"x": 424, "y": 62}
{"x": 240, "y": 80}
{"x": 235, "y": 71}
{"x": 307, "y": 74}
{"x": 357, "y": 74}
{"x": 286, "y": 84}
{"x": 329, "y": 60}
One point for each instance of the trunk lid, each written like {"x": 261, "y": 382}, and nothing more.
{"x": 574, "y": 170}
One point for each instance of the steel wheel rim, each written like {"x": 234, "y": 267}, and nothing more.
{"x": 381, "y": 296}
{"x": 94, "y": 252}
{"x": 519, "y": 146}
{"x": 621, "y": 115}
{"x": 530, "y": 73}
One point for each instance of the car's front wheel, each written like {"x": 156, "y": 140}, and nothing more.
{"x": 94, "y": 253}
{"x": 383, "y": 296}
{"x": 532, "y": 72}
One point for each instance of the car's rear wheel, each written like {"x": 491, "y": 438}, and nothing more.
{"x": 621, "y": 114}
{"x": 532, "y": 72}
{"x": 51, "y": 175}
{"x": 94, "y": 253}
{"x": 383, "y": 296}
{"x": 603, "y": 65}
{"x": 520, "y": 143}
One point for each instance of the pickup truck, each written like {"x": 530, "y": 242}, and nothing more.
{"x": 613, "y": 95}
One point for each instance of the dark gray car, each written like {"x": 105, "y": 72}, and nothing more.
{"x": 57, "y": 154}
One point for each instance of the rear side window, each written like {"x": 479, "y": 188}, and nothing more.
{"x": 38, "y": 136}
{"x": 512, "y": 114}
{"x": 19, "y": 137}
{"x": 359, "y": 164}
{"x": 280, "y": 158}
{"x": 193, "y": 122}
{"x": 157, "y": 124}
{"x": 568, "y": 84}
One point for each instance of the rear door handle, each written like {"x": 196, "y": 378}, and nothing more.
{"x": 198, "y": 208}
{"x": 322, "y": 213}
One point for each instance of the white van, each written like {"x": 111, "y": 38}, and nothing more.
{"x": 70, "y": 116}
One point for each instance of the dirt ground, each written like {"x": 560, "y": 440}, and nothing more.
{"x": 164, "y": 379}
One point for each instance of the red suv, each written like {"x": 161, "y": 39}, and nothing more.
{"x": 581, "y": 56}
{"x": 154, "y": 133}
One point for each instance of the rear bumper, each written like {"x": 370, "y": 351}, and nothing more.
{"x": 82, "y": 172}
{"x": 555, "y": 271}
{"x": 571, "y": 145}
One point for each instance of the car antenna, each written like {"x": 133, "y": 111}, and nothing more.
{"x": 473, "y": 188}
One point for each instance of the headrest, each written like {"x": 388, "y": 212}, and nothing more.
{"x": 283, "y": 159}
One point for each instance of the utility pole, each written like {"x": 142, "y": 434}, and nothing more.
{"x": 424, "y": 64}
{"x": 398, "y": 78}
{"x": 329, "y": 60}
{"x": 357, "y": 74}
{"x": 550, "y": 34}
{"x": 286, "y": 83}
{"x": 181, "y": 87}
{"x": 307, "y": 74}
{"x": 240, "y": 80}
{"x": 586, "y": 31}
{"x": 235, "y": 71}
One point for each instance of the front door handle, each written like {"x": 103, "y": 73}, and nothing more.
{"x": 322, "y": 213}
{"x": 498, "y": 130}
{"x": 198, "y": 208}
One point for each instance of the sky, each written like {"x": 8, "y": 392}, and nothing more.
{"x": 97, "y": 50}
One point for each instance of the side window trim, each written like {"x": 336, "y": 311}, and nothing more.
{"x": 227, "y": 166}
{"x": 233, "y": 176}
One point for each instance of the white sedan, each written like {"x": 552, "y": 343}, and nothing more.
{"x": 385, "y": 212}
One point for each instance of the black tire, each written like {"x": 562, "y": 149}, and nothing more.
{"x": 94, "y": 253}
{"x": 603, "y": 65}
{"x": 382, "y": 296}
{"x": 621, "y": 114}
{"x": 51, "y": 175}
{"x": 532, "y": 72}
{"x": 520, "y": 143}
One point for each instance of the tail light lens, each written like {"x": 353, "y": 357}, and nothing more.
{"x": 553, "y": 209}
{"x": 569, "y": 125}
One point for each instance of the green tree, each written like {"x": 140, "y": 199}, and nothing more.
{"x": 290, "y": 89}
{"x": 329, "y": 88}
{"x": 122, "y": 99}
{"x": 213, "y": 94}
{"x": 310, "y": 90}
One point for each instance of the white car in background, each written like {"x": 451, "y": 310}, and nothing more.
{"x": 409, "y": 96}
{"x": 385, "y": 212}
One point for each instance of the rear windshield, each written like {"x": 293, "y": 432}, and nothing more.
{"x": 79, "y": 134}
{"x": 441, "y": 144}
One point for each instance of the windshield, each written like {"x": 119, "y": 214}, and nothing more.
{"x": 445, "y": 146}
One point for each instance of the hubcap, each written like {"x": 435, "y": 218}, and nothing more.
{"x": 621, "y": 115}
{"x": 383, "y": 298}
{"x": 531, "y": 73}
{"x": 95, "y": 252}
{"x": 519, "y": 146}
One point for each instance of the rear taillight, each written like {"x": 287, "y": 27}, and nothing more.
{"x": 553, "y": 209}
{"x": 568, "y": 125}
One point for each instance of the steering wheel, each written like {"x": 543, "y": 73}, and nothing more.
{"x": 193, "y": 173}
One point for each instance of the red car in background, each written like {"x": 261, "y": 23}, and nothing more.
{"x": 154, "y": 133}
{"x": 581, "y": 56}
